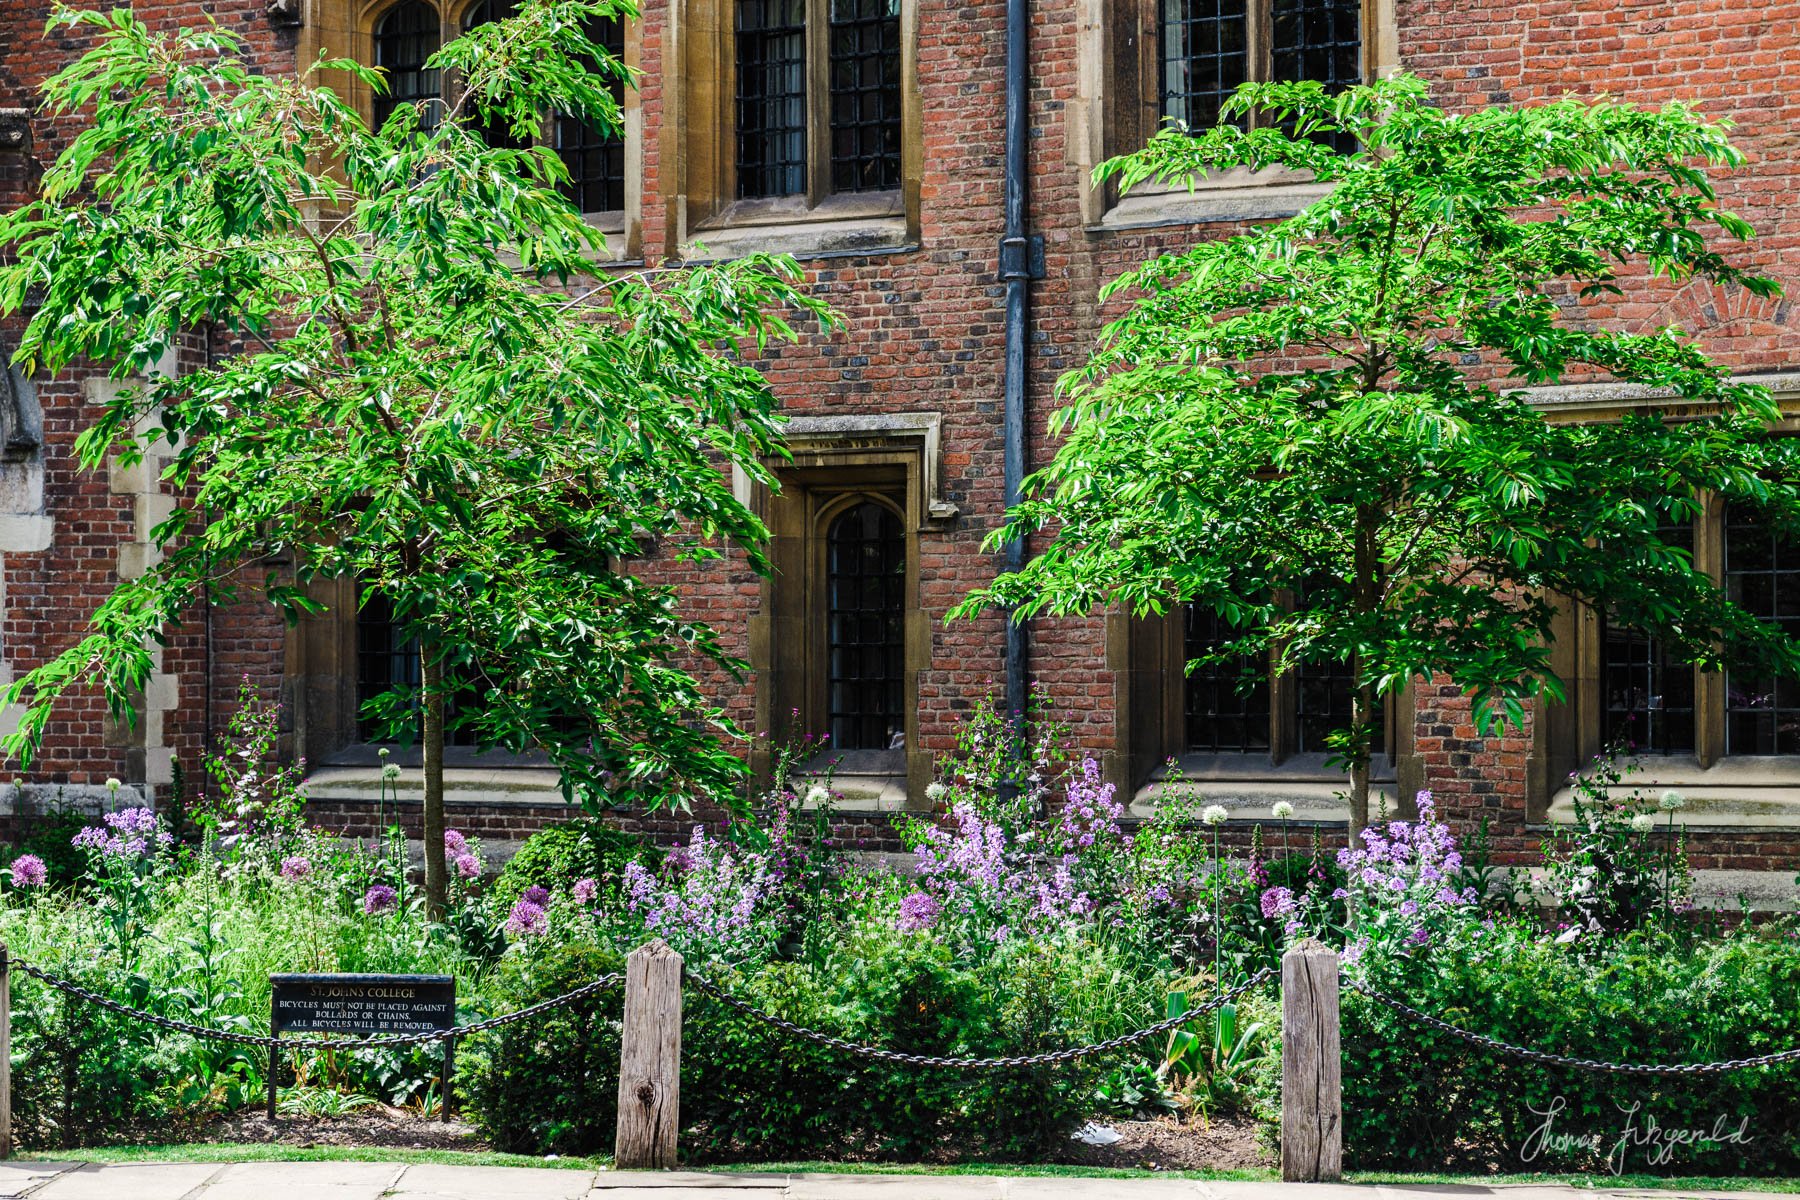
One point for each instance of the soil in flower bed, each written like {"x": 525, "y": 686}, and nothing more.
{"x": 1169, "y": 1144}
{"x": 379, "y": 1127}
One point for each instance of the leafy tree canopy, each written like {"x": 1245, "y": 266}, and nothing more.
{"x": 1316, "y": 428}
{"x": 433, "y": 388}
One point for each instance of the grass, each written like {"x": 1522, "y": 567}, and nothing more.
{"x": 220, "y": 1153}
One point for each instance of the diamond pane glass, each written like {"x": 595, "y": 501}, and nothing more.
{"x": 594, "y": 158}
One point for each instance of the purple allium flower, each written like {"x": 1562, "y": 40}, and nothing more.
{"x": 28, "y": 870}
{"x": 585, "y": 890}
{"x": 527, "y": 918}
{"x": 296, "y": 867}
{"x": 918, "y": 911}
{"x": 467, "y": 865}
{"x": 379, "y": 899}
{"x": 537, "y": 894}
{"x": 455, "y": 844}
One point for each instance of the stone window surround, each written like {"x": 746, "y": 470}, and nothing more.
{"x": 1146, "y": 655}
{"x": 891, "y": 457}
{"x": 707, "y": 221}
{"x": 1115, "y": 108}
{"x": 1723, "y": 792}
{"x": 345, "y": 29}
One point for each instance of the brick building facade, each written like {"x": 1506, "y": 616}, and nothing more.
{"x": 866, "y": 137}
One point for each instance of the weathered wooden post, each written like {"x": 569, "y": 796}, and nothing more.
{"x": 1312, "y": 1108}
{"x": 6, "y": 1142}
{"x": 650, "y": 1060}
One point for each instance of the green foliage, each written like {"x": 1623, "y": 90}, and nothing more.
{"x": 1315, "y": 428}
{"x": 549, "y": 1085}
{"x": 48, "y": 835}
{"x": 1415, "y": 1098}
{"x": 1608, "y": 872}
{"x": 433, "y": 388}
{"x": 557, "y": 856}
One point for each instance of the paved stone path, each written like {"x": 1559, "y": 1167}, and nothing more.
{"x": 432, "y": 1181}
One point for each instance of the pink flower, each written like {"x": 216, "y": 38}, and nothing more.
{"x": 296, "y": 867}
{"x": 585, "y": 890}
{"x": 526, "y": 919}
{"x": 467, "y": 865}
{"x": 28, "y": 870}
{"x": 455, "y": 843}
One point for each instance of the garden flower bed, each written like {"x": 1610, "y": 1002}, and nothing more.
{"x": 1030, "y": 920}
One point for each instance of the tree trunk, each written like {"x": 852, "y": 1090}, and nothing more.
{"x": 1362, "y": 728}
{"x": 431, "y": 676}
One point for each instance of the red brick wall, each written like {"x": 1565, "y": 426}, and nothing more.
{"x": 925, "y": 334}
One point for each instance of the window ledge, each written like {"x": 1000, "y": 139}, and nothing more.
{"x": 1242, "y": 202}
{"x": 863, "y": 781}
{"x": 802, "y": 239}
{"x": 1733, "y": 793}
{"x": 462, "y": 785}
{"x": 1248, "y": 786}
{"x": 1714, "y": 890}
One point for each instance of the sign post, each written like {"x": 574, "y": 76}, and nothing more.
{"x": 367, "y": 1005}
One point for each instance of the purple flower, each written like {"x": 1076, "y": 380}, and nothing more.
{"x": 527, "y": 918}
{"x": 918, "y": 911}
{"x": 536, "y": 895}
{"x": 1277, "y": 902}
{"x": 296, "y": 867}
{"x": 455, "y": 844}
{"x": 379, "y": 899}
{"x": 467, "y": 865}
{"x": 28, "y": 870}
{"x": 585, "y": 890}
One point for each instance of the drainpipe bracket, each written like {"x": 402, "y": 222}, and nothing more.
{"x": 1022, "y": 257}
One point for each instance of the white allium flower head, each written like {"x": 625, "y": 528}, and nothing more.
{"x": 1672, "y": 800}
{"x": 383, "y": 752}
{"x": 817, "y": 796}
{"x": 113, "y": 786}
{"x": 935, "y": 791}
{"x": 1214, "y": 814}
{"x": 1282, "y": 810}
{"x": 1643, "y": 822}
{"x": 391, "y": 771}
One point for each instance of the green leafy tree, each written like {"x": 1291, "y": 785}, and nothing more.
{"x": 1315, "y": 428}
{"x": 435, "y": 390}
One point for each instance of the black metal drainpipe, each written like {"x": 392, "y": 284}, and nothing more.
{"x": 1016, "y": 269}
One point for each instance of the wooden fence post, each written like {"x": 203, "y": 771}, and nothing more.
{"x": 1312, "y": 1108}
{"x": 6, "y": 1136}
{"x": 650, "y": 1060}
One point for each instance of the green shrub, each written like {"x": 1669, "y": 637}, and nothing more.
{"x": 557, "y": 856}
{"x": 49, "y": 835}
{"x": 1417, "y": 1098}
{"x": 549, "y": 1085}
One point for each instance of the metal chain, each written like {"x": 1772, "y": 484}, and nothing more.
{"x": 1564, "y": 1060}
{"x": 1048, "y": 1058}
{"x": 302, "y": 1043}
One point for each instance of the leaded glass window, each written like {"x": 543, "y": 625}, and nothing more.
{"x": 406, "y": 36}
{"x": 1209, "y": 47}
{"x": 595, "y": 159}
{"x": 1227, "y": 702}
{"x": 1762, "y": 574}
{"x": 1648, "y": 697}
{"x": 771, "y": 97}
{"x": 865, "y": 95}
{"x": 865, "y": 582}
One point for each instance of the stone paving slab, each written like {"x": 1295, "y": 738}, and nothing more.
{"x": 138, "y": 1181}
{"x": 729, "y": 1180}
{"x": 896, "y": 1187}
{"x": 442, "y": 1181}
{"x": 323, "y": 1180}
{"x": 16, "y": 1177}
{"x": 437, "y": 1181}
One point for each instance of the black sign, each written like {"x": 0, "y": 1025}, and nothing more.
{"x": 365, "y": 1004}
